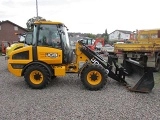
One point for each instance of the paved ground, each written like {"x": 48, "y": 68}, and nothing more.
{"x": 66, "y": 99}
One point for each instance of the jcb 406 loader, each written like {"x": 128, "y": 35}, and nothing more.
{"x": 50, "y": 55}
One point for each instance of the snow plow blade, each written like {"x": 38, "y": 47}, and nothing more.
{"x": 139, "y": 78}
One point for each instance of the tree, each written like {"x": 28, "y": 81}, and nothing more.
{"x": 31, "y": 21}
{"x": 105, "y": 35}
{"x": 91, "y": 35}
{"x": 119, "y": 36}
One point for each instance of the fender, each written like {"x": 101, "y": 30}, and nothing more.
{"x": 84, "y": 65}
{"x": 50, "y": 70}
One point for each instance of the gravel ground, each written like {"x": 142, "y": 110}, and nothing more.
{"x": 66, "y": 99}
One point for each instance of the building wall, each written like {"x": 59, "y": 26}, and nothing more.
{"x": 117, "y": 35}
{"x": 7, "y": 32}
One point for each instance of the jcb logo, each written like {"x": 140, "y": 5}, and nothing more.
{"x": 94, "y": 61}
{"x": 52, "y": 55}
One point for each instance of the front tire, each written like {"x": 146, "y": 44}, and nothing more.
{"x": 37, "y": 76}
{"x": 94, "y": 77}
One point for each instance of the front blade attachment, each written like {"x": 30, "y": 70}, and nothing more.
{"x": 139, "y": 78}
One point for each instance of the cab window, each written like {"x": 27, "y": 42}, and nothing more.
{"x": 49, "y": 36}
{"x": 144, "y": 36}
{"x": 28, "y": 39}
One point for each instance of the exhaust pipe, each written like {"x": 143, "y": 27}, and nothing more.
{"x": 139, "y": 78}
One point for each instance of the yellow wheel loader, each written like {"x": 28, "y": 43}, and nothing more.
{"x": 50, "y": 55}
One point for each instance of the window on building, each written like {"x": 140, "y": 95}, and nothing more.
{"x": 15, "y": 28}
{"x": 0, "y": 27}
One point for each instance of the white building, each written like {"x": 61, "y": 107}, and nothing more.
{"x": 120, "y": 35}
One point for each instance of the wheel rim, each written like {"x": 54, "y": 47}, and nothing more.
{"x": 94, "y": 77}
{"x": 36, "y": 77}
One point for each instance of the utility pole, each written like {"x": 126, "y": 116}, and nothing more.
{"x": 37, "y": 8}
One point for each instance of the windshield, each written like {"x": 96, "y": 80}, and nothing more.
{"x": 51, "y": 35}
{"x": 88, "y": 41}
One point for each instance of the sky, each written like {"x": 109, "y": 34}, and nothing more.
{"x": 86, "y": 16}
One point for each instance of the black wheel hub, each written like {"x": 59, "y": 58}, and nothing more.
{"x": 94, "y": 77}
{"x": 37, "y": 76}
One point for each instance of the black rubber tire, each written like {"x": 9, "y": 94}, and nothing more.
{"x": 46, "y": 76}
{"x": 157, "y": 66}
{"x": 53, "y": 77}
{"x": 97, "y": 68}
{"x": 143, "y": 61}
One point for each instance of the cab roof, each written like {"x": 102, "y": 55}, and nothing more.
{"x": 149, "y": 29}
{"x": 47, "y": 22}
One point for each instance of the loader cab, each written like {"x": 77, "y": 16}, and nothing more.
{"x": 53, "y": 35}
{"x": 150, "y": 35}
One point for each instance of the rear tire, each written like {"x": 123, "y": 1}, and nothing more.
{"x": 94, "y": 77}
{"x": 53, "y": 77}
{"x": 37, "y": 76}
{"x": 143, "y": 60}
{"x": 157, "y": 66}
